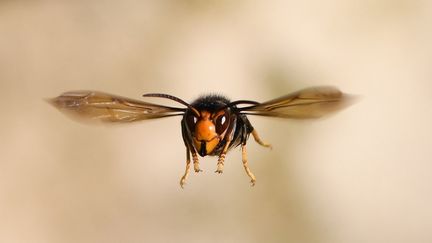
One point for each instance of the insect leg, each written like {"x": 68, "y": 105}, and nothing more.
{"x": 186, "y": 174}
{"x": 187, "y": 141}
{"x": 230, "y": 133}
{"x": 251, "y": 129}
{"x": 259, "y": 141}
{"x": 196, "y": 162}
{"x": 245, "y": 165}
{"x": 221, "y": 160}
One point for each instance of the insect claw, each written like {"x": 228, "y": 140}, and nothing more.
{"x": 197, "y": 168}
{"x": 220, "y": 166}
{"x": 182, "y": 182}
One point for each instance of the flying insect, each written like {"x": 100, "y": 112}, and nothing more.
{"x": 212, "y": 124}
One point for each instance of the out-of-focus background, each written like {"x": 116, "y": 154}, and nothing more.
{"x": 362, "y": 175}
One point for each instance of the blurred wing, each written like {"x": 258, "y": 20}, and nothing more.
{"x": 311, "y": 102}
{"x": 98, "y": 106}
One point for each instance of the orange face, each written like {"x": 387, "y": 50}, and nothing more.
{"x": 209, "y": 130}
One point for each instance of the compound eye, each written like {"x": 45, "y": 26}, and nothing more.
{"x": 191, "y": 121}
{"x": 221, "y": 123}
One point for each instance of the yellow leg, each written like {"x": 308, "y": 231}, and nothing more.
{"x": 196, "y": 162}
{"x": 246, "y": 167}
{"x": 221, "y": 160}
{"x": 259, "y": 141}
{"x": 186, "y": 174}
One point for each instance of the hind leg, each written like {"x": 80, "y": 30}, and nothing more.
{"x": 259, "y": 141}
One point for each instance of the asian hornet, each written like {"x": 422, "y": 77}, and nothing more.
{"x": 211, "y": 125}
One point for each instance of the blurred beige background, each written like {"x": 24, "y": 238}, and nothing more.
{"x": 363, "y": 175}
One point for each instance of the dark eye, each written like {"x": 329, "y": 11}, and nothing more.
{"x": 221, "y": 123}
{"x": 191, "y": 121}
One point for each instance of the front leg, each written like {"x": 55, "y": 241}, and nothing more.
{"x": 221, "y": 160}
{"x": 186, "y": 174}
{"x": 196, "y": 162}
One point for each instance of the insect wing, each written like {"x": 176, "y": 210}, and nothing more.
{"x": 99, "y": 106}
{"x": 311, "y": 102}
